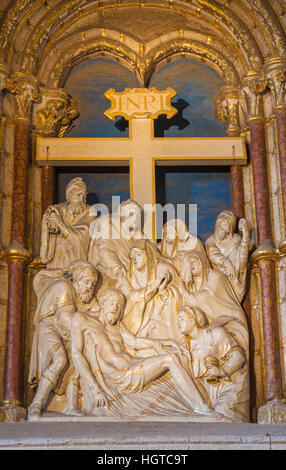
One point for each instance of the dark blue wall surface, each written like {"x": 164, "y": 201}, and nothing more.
{"x": 197, "y": 86}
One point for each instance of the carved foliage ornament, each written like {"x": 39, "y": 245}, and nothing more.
{"x": 228, "y": 111}
{"x": 252, "y": 97}
{"x": 57, "y": 117}
{"x": 25, "y": 94}
{"x": 277, "y": 84}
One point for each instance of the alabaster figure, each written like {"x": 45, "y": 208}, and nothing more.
{"x": 228, "y": 251}
{"x": 65, "y": 233}
{"x": 167, "y": 335}
{"x": 112, "y": 236}
{"x": 59, "y": 298}
{"x": 176, "y": 241}
{"x": 154, "y": 313}
{"x": 219, "y": 363}
{"x": 211, "y": 291}
{"x": 109, "y": 371}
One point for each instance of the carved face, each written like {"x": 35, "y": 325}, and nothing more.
{"x": 111, "y": 308}
{"x": 222, "y": 228}
{"x": 84, "y": 288}
{"x": 170, "y": 233}
{"x": 77, "y": 197}
{"x": 185, "y": 324}
{"x": 130, "y": 216}
{"x": 138, "y": 258}
{"x": 195, "y": 266}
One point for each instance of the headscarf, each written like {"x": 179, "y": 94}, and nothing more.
{"x": 152, "y": 255}
{"x": 230, "y": 217}
{"x": 76, "y": 184}
{"x": 206, "y": 268}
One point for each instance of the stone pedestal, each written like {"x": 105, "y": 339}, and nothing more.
{"x": 12, "y": 413}
{"x": 274, "y": 412}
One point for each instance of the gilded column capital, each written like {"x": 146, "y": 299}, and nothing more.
{"x": 265, "y": 251}
{"x": 275, "y": 71}
{"x": 253, "y": 86}
{"x": 25, "y": 90}
{"x": 17, "y": 252}
{"x": 227, "y": 108}
{"x": 54, "y": 114}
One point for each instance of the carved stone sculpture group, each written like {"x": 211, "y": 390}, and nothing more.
{"x": 126, "y": 329}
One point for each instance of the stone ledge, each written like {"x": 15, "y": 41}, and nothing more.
{"x": 138, "y": 436}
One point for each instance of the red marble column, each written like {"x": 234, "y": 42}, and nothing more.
{"x": 265, "y": 261}
{"x": 47, "y": 180}
{"x": 260, "y": 180}
{"x": 236, "y": 185}
{"x": 20, "y": 185}
{"x": 17, "y": 257}
{"x": 280, "y": 114}
{"x": 14, "y": 331}
{"x": 270, "y": 330}
{"x": 237, "y": 191}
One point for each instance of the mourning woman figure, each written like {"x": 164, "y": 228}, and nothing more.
{"x": 219, "y": 363}
{"x": 211, "y": 291}
{"x": 176, "y": 241}
{"x": 154, "y": 291}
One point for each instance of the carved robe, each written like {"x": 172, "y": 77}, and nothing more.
{"x": 237, "y": 253}
{"x": 57, "y": 250}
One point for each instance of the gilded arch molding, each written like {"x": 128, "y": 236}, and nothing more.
{"x": 36, "y": 23}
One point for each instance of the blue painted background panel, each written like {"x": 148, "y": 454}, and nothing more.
{"x": 211, "y": 191}
{"x": 197, "y": 86}
{"x": 100, "y": 186}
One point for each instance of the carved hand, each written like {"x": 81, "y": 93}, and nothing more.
{"x": 100, "y": 400}
{"x": 229, "y": 270}
{"x": 243, "y": 227}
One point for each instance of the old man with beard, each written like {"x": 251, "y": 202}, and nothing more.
{"x": 59, "y": 298}
{"x": 228, "y": 251}
{"x": 65, "y": 228}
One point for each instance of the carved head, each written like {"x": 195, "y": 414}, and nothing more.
{"x": 144, "y": 254}
{"x": 225, "y": 225}
{"x": 84, "y": 278}
{"x": 112, "y": 303}
{"x": 195, "y": 265}
{"x": 130, "y": 217}
{"x": 175, "y": 229}
{"x": 76, "y": 191}
{"x": 190, "y": 317}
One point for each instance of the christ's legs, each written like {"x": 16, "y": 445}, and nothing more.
{"x": 153, "y": 367}
{"x": 48, "y": 381}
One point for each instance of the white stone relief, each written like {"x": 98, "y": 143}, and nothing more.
{"x": 134, "y": 331}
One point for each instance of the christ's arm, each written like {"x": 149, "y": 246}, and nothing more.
{"x": 145, "y": 343}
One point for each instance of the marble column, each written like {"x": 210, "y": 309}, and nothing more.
{"x": 265, "y": 255}
{"x": 24, "y": 90}
{"x": 3, "y": 80}
{"x": 275, "y": 70}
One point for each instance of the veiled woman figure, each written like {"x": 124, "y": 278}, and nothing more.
{"x": 211, "y": 291}
{"x": 176, "y": 241}
{"x": 154, "y": 292}
{"x": 219, "y": 363}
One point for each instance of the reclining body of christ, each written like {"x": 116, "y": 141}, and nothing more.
{"x": 109, "y": 373}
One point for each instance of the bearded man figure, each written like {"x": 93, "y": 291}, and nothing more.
{"x": 65, "y": 233}
{"x": 59, "y": 298}
{"x": 228, "y": 251}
